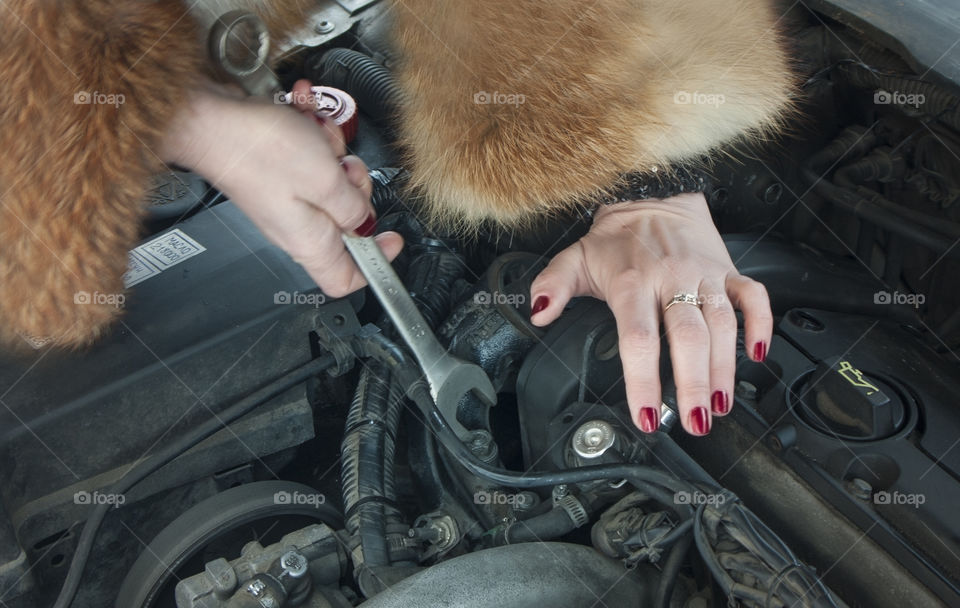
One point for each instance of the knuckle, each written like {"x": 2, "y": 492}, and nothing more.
{"x": 690, "y": 331}
{"x": 756, "y": 291}
{"x": 723, "y": 320}
{"x": 692, "y": 390}
{"x": 631, "y": 280}
{"x": 722, "y": 375}
{"x": 639, "y": 339}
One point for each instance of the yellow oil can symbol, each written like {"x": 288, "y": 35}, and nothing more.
{"x": 855, "y": 377}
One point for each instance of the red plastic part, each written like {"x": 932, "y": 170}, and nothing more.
{"x": 339, "y": 106}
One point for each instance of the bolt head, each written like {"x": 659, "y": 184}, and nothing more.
{"x": 324, "y": 27}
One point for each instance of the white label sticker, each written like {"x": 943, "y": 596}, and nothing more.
{"x": 155, "y": 256}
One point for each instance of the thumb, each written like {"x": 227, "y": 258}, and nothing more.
{"x": 561, "y": 280}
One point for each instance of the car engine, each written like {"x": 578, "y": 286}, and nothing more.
{"x": 242, "y": 440}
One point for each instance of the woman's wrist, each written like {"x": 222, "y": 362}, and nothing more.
{"x": 687, "y": 200}
{"x": 191, "y": 136}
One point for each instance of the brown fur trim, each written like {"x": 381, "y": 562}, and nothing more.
{"x": 72, "y": 174}
{"x": 607, "y": 88}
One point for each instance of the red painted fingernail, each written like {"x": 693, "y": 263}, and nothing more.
{"x": 700, "y": 421}
{"x": 540, "y": 304}
{"x": 760, "y": 352}
{"x": 649, "y": 419}
{"x": 368, "y": 227}
{"x": 720, "y": 403}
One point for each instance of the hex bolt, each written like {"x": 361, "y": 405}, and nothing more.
{"x": 860, "y": 488}
{"x": 483, "y": 446}
{"x": 526, "y": 501}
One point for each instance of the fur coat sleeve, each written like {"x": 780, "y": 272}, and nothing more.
{"x": 516, "y": 108}
{"x": 511, "y": 109}
{"x": 89, "y": 87}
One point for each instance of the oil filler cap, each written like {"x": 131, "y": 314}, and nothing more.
{"x": 841, "y": 400}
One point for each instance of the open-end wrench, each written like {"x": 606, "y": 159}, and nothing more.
{"x": 239, "y": 45}
{"x": 449, "y": 378}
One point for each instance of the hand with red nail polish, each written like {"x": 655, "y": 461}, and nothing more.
{"x": 292, "y": 176}
{"x": 636, "y": 257}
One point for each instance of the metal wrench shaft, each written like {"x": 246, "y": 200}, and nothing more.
{"x": 449, "y": 378}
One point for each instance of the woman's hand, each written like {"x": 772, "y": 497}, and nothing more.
{"x": 288, "y": 172}
{"x": 637, "y": 256}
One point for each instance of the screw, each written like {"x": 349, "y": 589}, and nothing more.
{"x": 559, "y": 492}
{"x": 324, "y": 27}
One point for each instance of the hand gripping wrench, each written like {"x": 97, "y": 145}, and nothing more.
{"x": 448, "y": 377}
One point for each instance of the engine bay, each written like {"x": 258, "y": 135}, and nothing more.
{"x": 241, "y": 439}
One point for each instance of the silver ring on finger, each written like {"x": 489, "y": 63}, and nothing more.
{"x": 684, "y": 298}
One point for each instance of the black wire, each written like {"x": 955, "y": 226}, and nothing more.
{"x": 671, "y": 567}
{"x": 168, "y": 453}
{"x": 658, "y": 484}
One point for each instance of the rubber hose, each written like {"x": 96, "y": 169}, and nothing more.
{"x": 881, "y": 215}
{"x": 937, "y": 101}
{"x": 671, "y": 571}
{"x": 549, "y": 526}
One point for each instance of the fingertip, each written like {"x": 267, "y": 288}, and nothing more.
{"x": 698, "y": 422}
{"x": 303, "y": 96}
{"x": 647, "y": 419}
{"x": 546, "y": 308}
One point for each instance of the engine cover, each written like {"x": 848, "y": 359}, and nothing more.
{"x": 218, "y": 311}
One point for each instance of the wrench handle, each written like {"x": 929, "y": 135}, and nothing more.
{"x": 393, "y": 295}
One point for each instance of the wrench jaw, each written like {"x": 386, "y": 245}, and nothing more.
{"x": 451, "y": 379}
